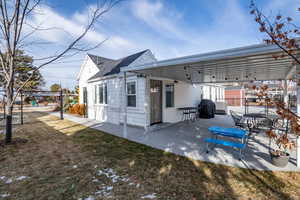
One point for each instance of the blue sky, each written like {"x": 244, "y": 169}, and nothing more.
{"x": 169, "y": 28}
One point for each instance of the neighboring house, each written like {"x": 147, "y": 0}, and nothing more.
{"x": 234, "y": 95}
{"x": 150, "y": 100}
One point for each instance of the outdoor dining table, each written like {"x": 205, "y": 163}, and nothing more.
{"x": 187, "y": 111}
{"x": 255, "y": 117}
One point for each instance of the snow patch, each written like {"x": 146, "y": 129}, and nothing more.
{"x": 105, "y": 191}
{"x": 111, "y": 174}
{"x": 4, "y": 195}
{"x": 149, "y": 196}
{"x": 21, "y": 178}
{"x": 74, "y": 166}
{"x": 88, "y": 198}
{"x": 8, "y": 181}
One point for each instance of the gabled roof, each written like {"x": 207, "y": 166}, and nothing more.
{"x": 98, "y": 60}
{"x": 109, "y": 67}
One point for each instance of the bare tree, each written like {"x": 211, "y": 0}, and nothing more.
{"x": 283, "y": 32}
{"x": 13, "y": 17}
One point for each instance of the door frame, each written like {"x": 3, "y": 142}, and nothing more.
{"x": 161, "y": 100}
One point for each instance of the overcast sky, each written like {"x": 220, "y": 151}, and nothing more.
{"x": 169, "y": 28}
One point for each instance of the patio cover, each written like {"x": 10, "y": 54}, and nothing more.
{"x": 255, "y": 62}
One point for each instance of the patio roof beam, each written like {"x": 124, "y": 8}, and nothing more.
{"x": 242, "y": 67}
{"x": 240, "y": 60}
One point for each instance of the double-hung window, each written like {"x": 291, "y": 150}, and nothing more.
{"x": 169, "y": 95}
{"x": 131, "y": 94}
{"x": 102, "y": 88}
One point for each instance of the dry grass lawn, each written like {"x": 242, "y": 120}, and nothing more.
{"x": 65, "y": 160}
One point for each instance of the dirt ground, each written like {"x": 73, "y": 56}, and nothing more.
{"x": 65, "y": 160}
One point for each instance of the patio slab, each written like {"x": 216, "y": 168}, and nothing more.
{"x": 187, "y": 139}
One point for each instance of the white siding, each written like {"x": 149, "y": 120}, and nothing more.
{"x": 184, "y": 95}
{"x": 136, "y": 115}
{"x": 113, "y": 111}
{"x": 88, "y": 69}
{"x": 147, "y": 57}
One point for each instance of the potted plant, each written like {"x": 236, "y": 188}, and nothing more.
{"x": 279, "y": 155}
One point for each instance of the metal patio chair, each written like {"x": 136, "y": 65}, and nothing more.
{"x": 238, "y": 119}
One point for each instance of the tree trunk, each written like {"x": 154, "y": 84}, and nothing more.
{"x": 9, "y": 114}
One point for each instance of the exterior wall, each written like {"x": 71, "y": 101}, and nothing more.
{"x": 136, "y": 115}
{"x": 113, "y": 111}
{"x": 88, "y": 69}
{"x": 184, "y": 95}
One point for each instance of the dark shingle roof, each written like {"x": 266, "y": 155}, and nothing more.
{"x": 98, "y": 60}
{"x": 109, "y": 67}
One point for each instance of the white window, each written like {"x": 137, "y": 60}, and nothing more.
{"x": 102, "y": 88}
{"x": 131, "y": 94}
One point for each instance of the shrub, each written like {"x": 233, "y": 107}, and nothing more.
{"x": 77, "y": 109}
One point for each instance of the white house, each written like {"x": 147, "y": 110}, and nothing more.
{"x": 150, "y": 100}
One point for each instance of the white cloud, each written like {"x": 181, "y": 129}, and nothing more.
{"x": 231, "y": 26}
{"x": 154, "y": 14}
{"x": 63, "y": 30}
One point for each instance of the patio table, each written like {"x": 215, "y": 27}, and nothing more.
{"x": 187, "y": 111}
{"x": 256, "y": 116}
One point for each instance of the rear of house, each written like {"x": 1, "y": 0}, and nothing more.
{"x": 150, "y": 100}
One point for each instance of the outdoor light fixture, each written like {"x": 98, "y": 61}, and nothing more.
{"x": 175, "y": 81}
{"x": 199, "y": 72}
{"x": 225, "y": 79}
{"x": 236, "y": 78}
{"x": 213, "y": 77}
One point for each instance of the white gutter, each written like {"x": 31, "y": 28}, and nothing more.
{"x": 216, "y": 55}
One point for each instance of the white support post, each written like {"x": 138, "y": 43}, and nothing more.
{"x": 298, "y": 151}
{"x": 285, "y": 92}
{"x": 147, "y": 103}
{"x": 125, "y": 105}
{"x": 298, "y": 113}
{"x": 241, "y": 96}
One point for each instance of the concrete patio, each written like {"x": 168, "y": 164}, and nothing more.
{"x": 187, "y": 139}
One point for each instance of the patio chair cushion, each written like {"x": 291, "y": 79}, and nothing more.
{"x": 231, "y": 132}
{"x": 225, "y": 143}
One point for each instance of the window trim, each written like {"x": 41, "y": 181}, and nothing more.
{"x": 135, "y": 83}
{"x": 173, "y": 106}
{"x": 105, "y": 94}
{"x": 95, "y": 94}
